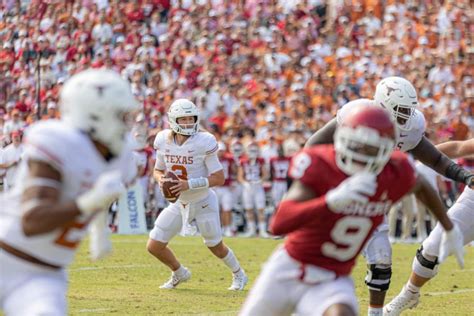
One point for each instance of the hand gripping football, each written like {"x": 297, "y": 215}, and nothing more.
{"x": 171, "y": 197}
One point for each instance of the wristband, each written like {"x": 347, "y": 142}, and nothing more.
{"x": 198, "y": 183}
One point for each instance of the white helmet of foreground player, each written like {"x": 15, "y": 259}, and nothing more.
{"x": 183, "y": 108}
{"x": 398, "y": 96}
{"x": 365, "y": 140}
{"x": 100, "y": 103}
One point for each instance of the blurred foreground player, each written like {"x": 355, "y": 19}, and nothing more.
{"x": 399, "y": 98}
{"x": 72, "y": 170}
{"x": 339, "y": 196}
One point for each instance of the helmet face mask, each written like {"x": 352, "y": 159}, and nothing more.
{"x": 398, "y": 96}
{"x": 364, "y": 141}
{"x": 361, "y": 149}
{"x": 100, "y": 103}
{"x": 180, "y": 109}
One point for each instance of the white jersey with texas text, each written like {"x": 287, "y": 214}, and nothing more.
{"x": 195, "y": 158}
{"x": 72, "y": 153}
{"x": 407, "y": 139}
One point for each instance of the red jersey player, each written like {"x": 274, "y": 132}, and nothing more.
{"x": 224, "y": 192}
{"x": 252, "y": 173}
{"x": 279, "y": 166}
{"x": 339, "y": 196}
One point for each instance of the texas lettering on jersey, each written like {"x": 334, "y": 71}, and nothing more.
{"x": 180, "y": 160}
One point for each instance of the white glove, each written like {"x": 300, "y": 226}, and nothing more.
{"x": 106, "y": 189}
{"x": 356, "y": 188}
{"x": 452, "y": 242}
{"x": 99, "y": 242}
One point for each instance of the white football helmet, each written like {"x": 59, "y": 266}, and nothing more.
{"x": 253, "y": 151}
{"x": 398, "y": 96}
{"x": 236, "y": 148}
{"x": 183, "y": 108}
{"x": 99, "y": 102}
{"x": 365, "y": 140}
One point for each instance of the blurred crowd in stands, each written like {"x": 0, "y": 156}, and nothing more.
{"x": 270, "y": 71}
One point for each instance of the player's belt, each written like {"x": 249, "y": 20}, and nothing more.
{"x": 20, "y": 254}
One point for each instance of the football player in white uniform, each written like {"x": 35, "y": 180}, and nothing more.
{"x": 398, "y": 96}
{"x": 72, "y": 170}
{"x": 192, "y": 155}
{"x": 426, "y": 261}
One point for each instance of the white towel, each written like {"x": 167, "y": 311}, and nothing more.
{"x": 99, "y": 244}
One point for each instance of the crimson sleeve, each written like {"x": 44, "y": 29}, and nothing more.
{"x": 292, "y": 215}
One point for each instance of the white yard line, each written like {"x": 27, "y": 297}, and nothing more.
{"x": 449, "y": 292}
{"x": 94, "y": 310}
{"x": 125, "y": 266}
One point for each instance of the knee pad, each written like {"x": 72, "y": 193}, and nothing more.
{"x": 378, "y": 277}
{"x": 425, "y": 266}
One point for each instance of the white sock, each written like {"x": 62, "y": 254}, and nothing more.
{"x": 412, "y": 288}
{"x": 180, "y": 272}
{"x": 375, "y": 311}
{"x": 251, "y": 227}
{"x": 262, "y": 228}
{"x": 231, "y": 261}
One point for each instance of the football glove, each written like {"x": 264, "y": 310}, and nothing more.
{"x": 357, "y": 188}
{"x": 452, "y": 242}
{"x": 106, "y": 189}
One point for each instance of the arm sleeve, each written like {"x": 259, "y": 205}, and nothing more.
{"x": 158, "y": 144}
{"x": 408, "y": 174}
{"x": 210, "y": 154}
{"x": 212, "y": 163}
{"x": 160, "y": 161}
{"x": 292, "y": 215}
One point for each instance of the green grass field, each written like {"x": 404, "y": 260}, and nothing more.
{"x": 126, "y": 283}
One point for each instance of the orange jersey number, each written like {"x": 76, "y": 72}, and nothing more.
{"x": 66, "y": 238}
{"x": 182, "y": 174}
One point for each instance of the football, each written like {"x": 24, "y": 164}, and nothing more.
{"x": 171, "y": 197}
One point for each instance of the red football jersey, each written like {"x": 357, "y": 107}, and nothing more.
{"x": 228, "y": 163}
{"x": 279, "y": 168}
{"x": 253, "y": 170}
{"x": 148, "y": 152}
{"x": 332, "y": 240}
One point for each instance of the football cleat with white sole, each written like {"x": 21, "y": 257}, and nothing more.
{"x": 175, "y": 280}
{"x": 249, "y": 234}
{"x": 404, "y": 300}
{"x": 239, "y": 280}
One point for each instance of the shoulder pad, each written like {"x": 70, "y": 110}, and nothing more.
{"x": 160, "y": 139}
{"x": 208, "y": 143}
{"x": 51, "y": 142}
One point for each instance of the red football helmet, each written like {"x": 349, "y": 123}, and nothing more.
{"x": 365, "y": 140}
